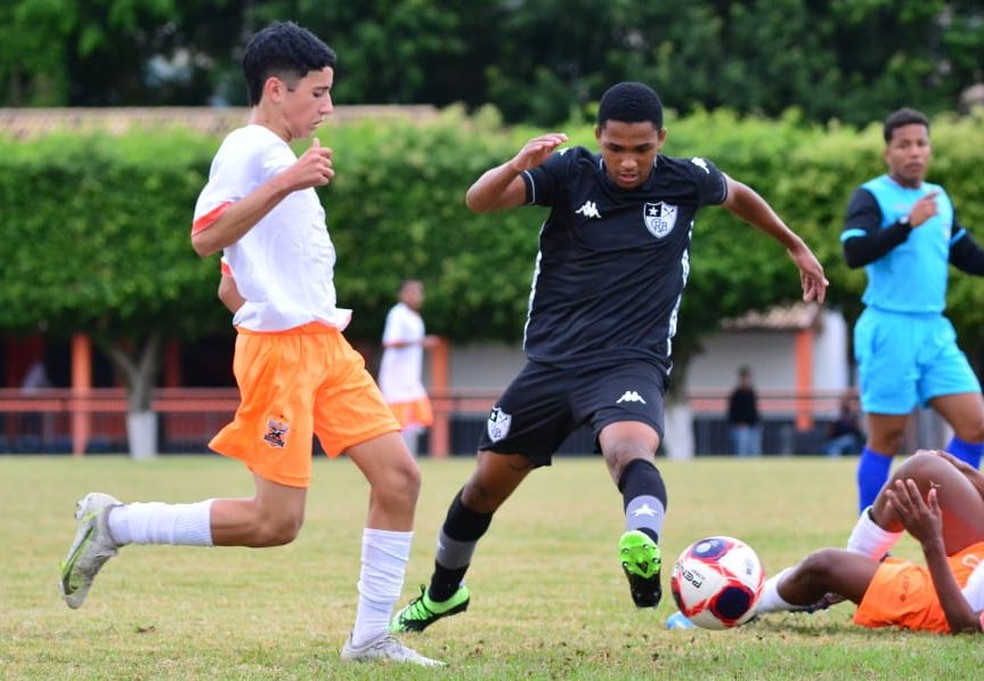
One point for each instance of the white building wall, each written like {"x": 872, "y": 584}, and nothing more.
{"x": 772, "y": 358}
{"x": 485, "y": 366}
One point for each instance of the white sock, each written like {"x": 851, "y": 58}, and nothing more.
{"x": 770, "y": 600}
{"x": 868, "y": 539}
{"x": 384, "y": 563}
{"x": 158, "y": 523}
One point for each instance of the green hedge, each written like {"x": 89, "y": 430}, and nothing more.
{"x": 96, "y": 227}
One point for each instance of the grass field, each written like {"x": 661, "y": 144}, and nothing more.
{"x": 549, "y": 600}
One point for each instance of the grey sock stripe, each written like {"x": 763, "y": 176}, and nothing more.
{"x": 645, "y": 511}
{"x": 454, "y": 554}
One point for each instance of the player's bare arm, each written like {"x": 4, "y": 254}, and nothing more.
{"x": 501, "y": 187}
{"x": 745, "y": 203}
{"x": 312, "y": 169}
{"x": 923, "y": 519}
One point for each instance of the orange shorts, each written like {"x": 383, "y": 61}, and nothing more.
{"x": 901, "y": 593}
{"x": 296, "y": 384}
{"x": 414, "y": 413}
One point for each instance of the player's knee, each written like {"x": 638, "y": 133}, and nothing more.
{"x": 921, "y": 465}
{"x": 275, "y": 532}
{"x": 400, "y": 486}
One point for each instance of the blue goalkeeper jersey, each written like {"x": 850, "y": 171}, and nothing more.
{"x": 912, "y": 277}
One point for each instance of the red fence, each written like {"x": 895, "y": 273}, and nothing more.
{"x": 59, "y": 420}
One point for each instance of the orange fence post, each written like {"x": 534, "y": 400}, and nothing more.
{"x": 440, "y": 432}
{"x": 81, "y": 392}
{"x": 804, "y": 379}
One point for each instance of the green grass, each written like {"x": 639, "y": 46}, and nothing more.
{"x": 549, "y": 600}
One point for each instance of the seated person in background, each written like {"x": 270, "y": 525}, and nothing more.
{"x": 845, "y": 434}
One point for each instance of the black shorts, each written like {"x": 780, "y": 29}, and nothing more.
{"x": 544, "y": 404}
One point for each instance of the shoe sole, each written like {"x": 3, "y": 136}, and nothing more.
{"x": 642, "y": 554}
{"x": 75, "y": 596}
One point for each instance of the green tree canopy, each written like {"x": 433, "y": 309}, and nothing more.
{"x": 537, "y": 62}
{"x": 96, "y": 227}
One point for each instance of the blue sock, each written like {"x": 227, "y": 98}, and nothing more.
{"x": 873, "y": 471}
{"x": 968, "y": 452}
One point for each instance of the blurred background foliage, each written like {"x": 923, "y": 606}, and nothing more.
{"x": 97, "y": 227}
{"x": 538, "y": 61}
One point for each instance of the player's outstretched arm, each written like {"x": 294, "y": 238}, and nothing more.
{"x": 745, "y": 203}
{"x": 923, "y": 519}
{"x": 502, "y": 187}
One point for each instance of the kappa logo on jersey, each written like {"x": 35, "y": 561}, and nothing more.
{"x": 660, "y": 218}
{"x": 701, "y": 163}
{"x": 589, "y": 210}
{"x": 276, "y": 435}
{"x": 498, "y": 425}
{"x": 630, "y": 396}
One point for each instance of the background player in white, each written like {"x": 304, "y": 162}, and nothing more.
{"x": 609, "y": 276}
{"x": 401, "y": 368}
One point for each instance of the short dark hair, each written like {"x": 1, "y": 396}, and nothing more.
{"x": 630, "y": 103}
{"x": 284, "y": 50}
{"x": 902, "y": 117}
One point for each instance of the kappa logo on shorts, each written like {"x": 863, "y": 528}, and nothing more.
{"x": 630, "y": 396}
{"x": 498, "y": 425}
{"x": 276, "y": 435}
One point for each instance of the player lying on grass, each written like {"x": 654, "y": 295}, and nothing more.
{"x": 939, "y": 500}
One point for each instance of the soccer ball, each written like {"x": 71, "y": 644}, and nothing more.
{"x": 717, "y": 582}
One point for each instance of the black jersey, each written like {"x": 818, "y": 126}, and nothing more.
{"x": 612, "y": 262}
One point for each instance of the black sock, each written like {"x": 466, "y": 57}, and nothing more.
{"x": 459, "y": 536}
{"x": 643, "y": 497}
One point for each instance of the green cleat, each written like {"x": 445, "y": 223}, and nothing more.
{"x": 422, "y": 612}
{"x": 641, "y": 563}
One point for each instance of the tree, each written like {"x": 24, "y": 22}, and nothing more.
{"x": 114, "y": 52}
{"x": 538, "y": 62}
{"x": 87, "y": 256}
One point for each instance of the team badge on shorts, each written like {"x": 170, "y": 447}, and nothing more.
{"x": 498, "y": 425}
{"x": 660, "y": 218}
{"x": 276, "y": 435}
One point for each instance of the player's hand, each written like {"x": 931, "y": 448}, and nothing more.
{"x": 536, "y": 151}
{"x": 923, "y": 209}
{"x": 313, "y": 168}
{"x": 812, "y": 278}
{"x": 922, "y": 518}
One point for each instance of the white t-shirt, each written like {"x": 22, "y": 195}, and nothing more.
{"x": 284, "y": 265}
{"x": 401, "y": 368}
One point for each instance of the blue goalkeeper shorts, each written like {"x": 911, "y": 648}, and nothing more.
{"x": 908, "y": 359}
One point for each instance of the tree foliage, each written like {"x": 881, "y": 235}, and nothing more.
{"x": 97, "y": 227}
{"x": 537, "y": 61}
